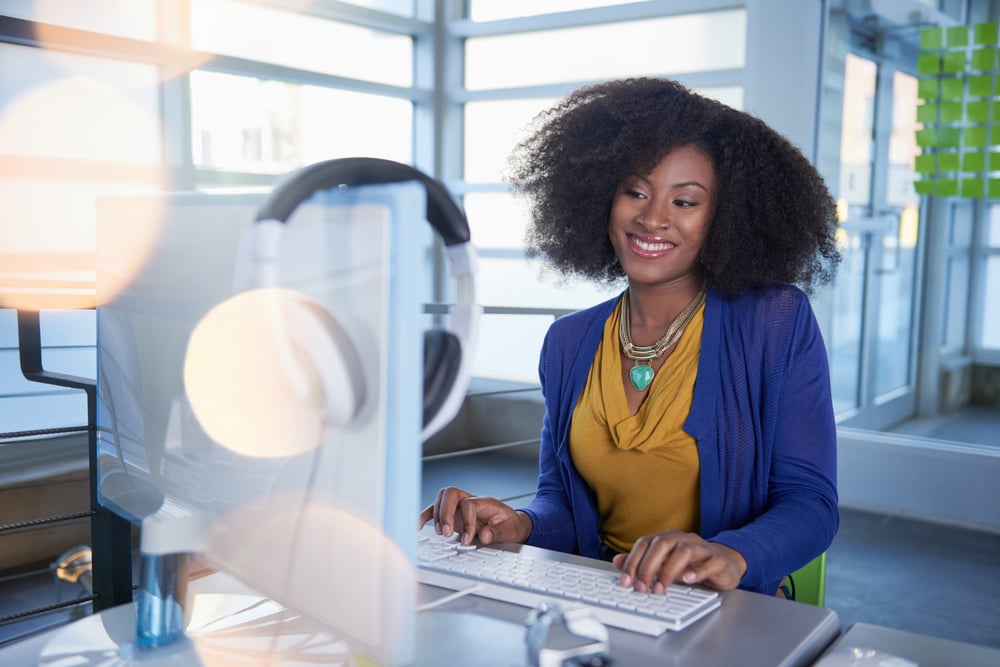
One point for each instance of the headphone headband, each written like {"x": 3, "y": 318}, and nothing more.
{"x": 442, "y": 212}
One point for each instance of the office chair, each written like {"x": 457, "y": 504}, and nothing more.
{"x": 809, "y": 582}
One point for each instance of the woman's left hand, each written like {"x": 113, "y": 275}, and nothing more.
{"x": 657, "y": 560}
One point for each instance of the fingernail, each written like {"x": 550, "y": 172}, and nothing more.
{"x": 626, "y": 580}
{"x": 640, "y": 587}
{"x": 446, "y": 530}
{"x": 689, "y": 577}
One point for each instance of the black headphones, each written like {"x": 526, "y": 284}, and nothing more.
{"x": 447, "y": 352}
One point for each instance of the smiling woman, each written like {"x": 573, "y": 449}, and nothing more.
{"x": 713, "y": 221}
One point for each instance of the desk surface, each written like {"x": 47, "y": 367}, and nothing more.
{"x": 921, "y": 649}
{"x": 748, "y": 630}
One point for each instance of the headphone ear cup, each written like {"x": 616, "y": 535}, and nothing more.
{"x": 330, "y": 357}
{"x": 267, "y": 372}
{"x": 442, "y": 361}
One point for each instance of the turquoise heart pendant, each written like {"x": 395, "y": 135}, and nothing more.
{"x": 640, "y": 376}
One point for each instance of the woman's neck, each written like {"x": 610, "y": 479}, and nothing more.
{"x": 654, "y": 307}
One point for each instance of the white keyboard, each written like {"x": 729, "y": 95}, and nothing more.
{"x": 521, "y": 579}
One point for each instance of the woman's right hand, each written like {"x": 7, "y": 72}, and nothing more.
{"x": 458, "y": 511}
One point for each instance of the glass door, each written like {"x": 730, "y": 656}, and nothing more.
{"x": 875, "y": 296}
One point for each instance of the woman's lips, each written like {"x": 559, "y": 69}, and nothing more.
{"x": 649, "y": 246}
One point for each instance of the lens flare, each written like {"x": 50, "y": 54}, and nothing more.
{"x": 65, "y": 163}
{"x": 250, "y": 385}
{"x": 321, "y": 561}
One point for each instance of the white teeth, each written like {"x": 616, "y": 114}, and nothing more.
{"x": 652, "y": 247}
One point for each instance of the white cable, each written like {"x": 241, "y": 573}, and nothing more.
{"x": 448, "y": 598}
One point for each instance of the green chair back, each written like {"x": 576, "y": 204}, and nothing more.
{"x": 810, "y": 582}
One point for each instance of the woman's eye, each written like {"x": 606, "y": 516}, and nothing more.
{"x": 683, "y": 203}
{"x": 634, "y": 194}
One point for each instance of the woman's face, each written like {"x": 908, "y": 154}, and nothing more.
{"x": 659, "y": 220}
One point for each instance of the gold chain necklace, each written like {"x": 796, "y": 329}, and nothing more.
{"x": 641, "y": 375}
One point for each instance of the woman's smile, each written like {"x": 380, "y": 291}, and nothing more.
{"x": 649, "y": 246}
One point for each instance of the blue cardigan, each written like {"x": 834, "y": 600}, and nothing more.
{"x": 762, "y": 416}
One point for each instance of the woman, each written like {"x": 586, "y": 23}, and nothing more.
{"x": 689, "y": 431}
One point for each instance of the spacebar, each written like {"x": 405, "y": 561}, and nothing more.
{"x": 527, "y": 598}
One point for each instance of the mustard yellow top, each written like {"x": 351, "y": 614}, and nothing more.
{"x": 643, "y": 468}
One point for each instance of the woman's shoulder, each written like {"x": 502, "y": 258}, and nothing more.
{"x": 773, "y": 308}
{"x": 767, "y": 297}
{"x": 570, "y": 334}
{"x": 584, "y": 317}
{"x": 579, "y": 322}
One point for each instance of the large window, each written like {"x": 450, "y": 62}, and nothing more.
{"x": 958, "y": 272}
{"x": 989, "y": 331}
{"x": 698, "y": 42}
{"x": 301, "y": 41}
{"x": 898, "y": 270}
{"x": 72, "y": 128}
{"x": 491, "y": 10}
{"x": 241, "y": 123}
{"x": 856, "y": 162}
{"x": 70, "y": 106}
{"x": 175, "y": 101}
{"x": 125, "y": 18}
{"x": 876, "y": 294}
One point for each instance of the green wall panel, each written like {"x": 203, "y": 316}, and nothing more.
{"x": 973, "y": 161}
{"x": 957, "y": 36}
{"x": 947, "y": 162}
{"x": 984, "y": 33}
{"x": 959, "y": 111}
{"x": 931, "y": 38}
{"x": 982, "y": 59}
{"x": 977, "y": 111}
{"x": 981, "y": 86}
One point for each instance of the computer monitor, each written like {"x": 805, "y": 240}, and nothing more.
{"x": 327, "y": 530}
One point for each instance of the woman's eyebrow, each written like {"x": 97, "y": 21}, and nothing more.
{"x": 682, "y": 184}
{"x": 688, "y": 184}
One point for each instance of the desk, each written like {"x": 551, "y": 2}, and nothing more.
{"x": 748, "y": 630}
{"x": 921, "y": 649}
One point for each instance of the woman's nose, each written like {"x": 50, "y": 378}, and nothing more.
{"x": 653, "y": 216}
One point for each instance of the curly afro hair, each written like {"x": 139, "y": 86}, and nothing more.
{"x": 774, "y": 220}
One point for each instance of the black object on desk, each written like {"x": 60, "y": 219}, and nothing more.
{"x": 111, "y": 535}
